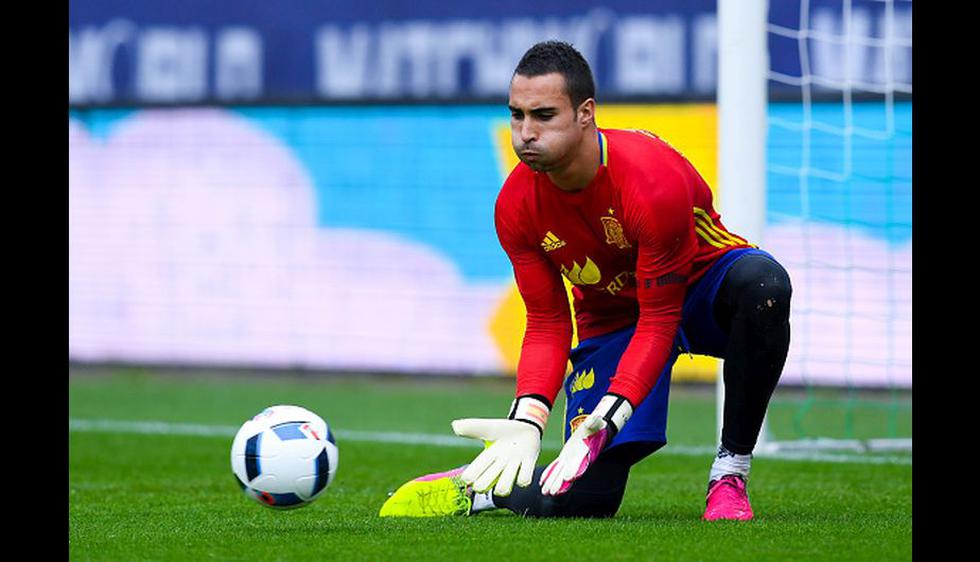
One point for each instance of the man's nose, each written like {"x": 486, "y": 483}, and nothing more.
{"x": 528, "y": 131}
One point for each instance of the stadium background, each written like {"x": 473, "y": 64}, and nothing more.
{"x": 311, "y": 186}
{"x": 261, "y": 194}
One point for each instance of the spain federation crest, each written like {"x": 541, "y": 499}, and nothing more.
{"x": 614, "y": 232}
{"x": 576, "y": 421}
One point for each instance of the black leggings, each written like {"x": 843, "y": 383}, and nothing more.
{"x": 752, "y": 307}
{"x": 598, "y": 493}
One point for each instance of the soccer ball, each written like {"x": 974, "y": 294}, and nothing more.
{"x": 284, "y": 457}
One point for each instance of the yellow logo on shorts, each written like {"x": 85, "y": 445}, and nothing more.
{"x": 583, "y": 380}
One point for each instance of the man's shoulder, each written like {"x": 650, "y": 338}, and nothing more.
{"x": 637, "y": 148}
{"x": 518, "y": 184}
{"x": 511, "y": 208}
{"x": 634, "y": 135}
{"x": 639, "y": 157}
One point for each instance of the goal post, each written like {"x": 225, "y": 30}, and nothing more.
{"x": 742, "y": 98}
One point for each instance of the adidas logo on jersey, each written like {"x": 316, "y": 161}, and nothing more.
{"x": 551, "y": 242}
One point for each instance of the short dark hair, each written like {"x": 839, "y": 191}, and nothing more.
{"x": 547, "y": 57}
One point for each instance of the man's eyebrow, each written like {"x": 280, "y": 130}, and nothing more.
{"x": 535, "y": 111}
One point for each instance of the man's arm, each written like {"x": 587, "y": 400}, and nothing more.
{"x": 661, "y": 216}
{"x": 515, "y": 443}
{"x": 548, "y": 336}
{"x": 663, "y": 221}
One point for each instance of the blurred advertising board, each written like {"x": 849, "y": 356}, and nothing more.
{"x": 235, "y": 51}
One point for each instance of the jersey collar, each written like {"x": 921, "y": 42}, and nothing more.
{"x": 603, "y": 149}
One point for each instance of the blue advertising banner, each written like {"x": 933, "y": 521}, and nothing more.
{"x": 231, "y": 51}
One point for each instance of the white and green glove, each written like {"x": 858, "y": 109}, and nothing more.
{"x": 585, "y": 444}
{"x": 513, "y": 445}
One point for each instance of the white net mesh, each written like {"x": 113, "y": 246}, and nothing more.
{"x": 839, "y": 215}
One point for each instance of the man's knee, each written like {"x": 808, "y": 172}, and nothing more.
{"x": 762, "y": 291}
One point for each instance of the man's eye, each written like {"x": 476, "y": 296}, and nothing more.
{"x": 517, "y": 116}
{"x": 545, "y": 117}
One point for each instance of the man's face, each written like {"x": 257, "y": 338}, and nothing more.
{"x": 544, "y": 127}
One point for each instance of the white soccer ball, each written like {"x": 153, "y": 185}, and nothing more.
{"x": 284, "y": 457}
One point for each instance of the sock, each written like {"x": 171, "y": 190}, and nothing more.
{"x": 483, "y": 502}
{"x": 727, "y": 462}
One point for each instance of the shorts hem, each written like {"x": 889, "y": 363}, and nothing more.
{"x": 643, "y": 438}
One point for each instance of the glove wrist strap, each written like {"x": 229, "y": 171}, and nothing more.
{"x": 531, "y": 410}
{"x": 615, "y": 410}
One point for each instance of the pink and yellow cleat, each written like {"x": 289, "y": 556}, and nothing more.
{"x": 727, "y": 499}
{"x": 432, "y": 495}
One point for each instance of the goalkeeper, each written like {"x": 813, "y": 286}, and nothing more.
{"x": 630, "y": 223}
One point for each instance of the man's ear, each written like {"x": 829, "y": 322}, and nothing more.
{"x": 586, "y": 112}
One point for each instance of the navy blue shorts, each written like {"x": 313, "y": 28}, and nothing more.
{"x": 594, "y": 360}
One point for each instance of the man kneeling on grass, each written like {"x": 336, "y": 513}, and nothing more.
{"x": 630, "y": 223}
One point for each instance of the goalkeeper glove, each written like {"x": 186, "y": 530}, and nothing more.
{"x": 585, "y": 444}
{"x": 513, "y": 445}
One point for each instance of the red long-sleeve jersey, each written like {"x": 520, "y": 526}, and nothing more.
{"x": 630, "y": 243}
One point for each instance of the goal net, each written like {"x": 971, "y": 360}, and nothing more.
{"x": 822, "y": 177}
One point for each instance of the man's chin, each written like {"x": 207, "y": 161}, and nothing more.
{"x": 537, "y": 165}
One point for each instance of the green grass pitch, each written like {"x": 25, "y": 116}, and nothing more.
{"x": 138, "y": 495}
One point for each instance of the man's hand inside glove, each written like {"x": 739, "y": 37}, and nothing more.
{"x": 513, "y": 446}
{"x": 585, "y": 444}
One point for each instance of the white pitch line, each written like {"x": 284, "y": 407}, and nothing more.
{"x": 400, "y": 438}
